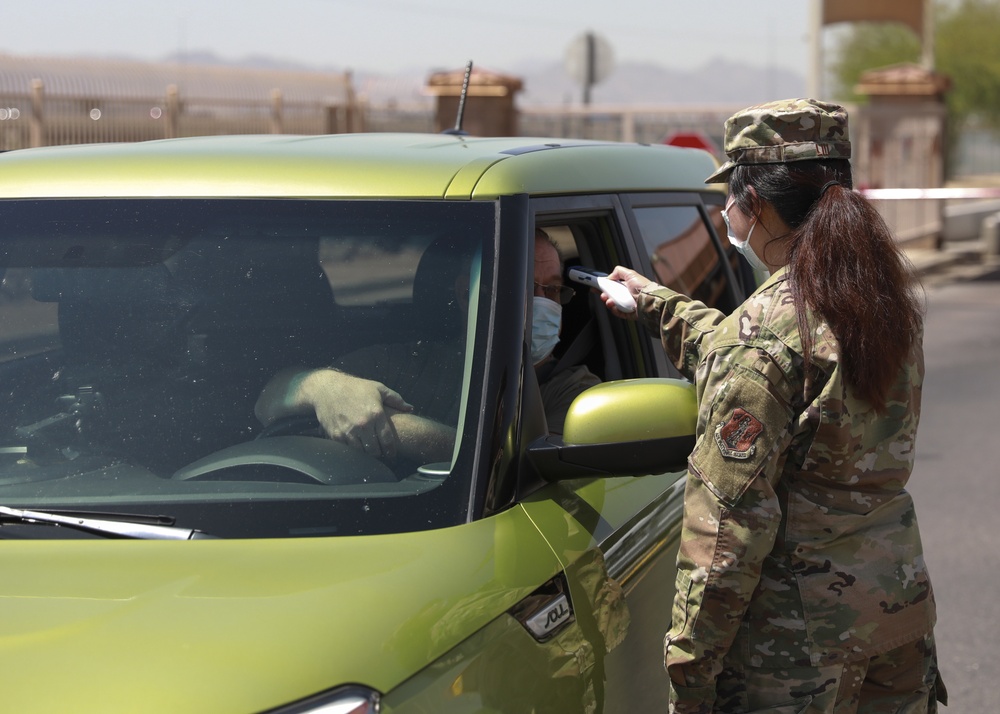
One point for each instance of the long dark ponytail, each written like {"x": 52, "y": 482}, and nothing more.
{"x": 845, "y": 265}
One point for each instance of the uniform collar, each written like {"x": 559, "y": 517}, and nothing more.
{"x": 779, "y": 276}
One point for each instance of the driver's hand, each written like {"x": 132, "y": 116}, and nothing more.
{"x": 355, "y": 411}
{"x": 350, "y": 409}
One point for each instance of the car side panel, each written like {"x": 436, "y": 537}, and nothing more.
{"x": 619, "y": 565}
{"x": 502, "y": 668}
{"x": 618, "y": 539}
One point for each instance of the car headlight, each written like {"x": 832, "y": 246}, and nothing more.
{"x": 352, "y": 699}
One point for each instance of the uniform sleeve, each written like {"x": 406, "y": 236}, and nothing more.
{"x": 680, "y": 322}
{"x": 731, "y": 520}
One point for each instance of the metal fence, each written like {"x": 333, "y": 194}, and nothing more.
{"x": 37, "y": 117}
{"x": 47, "y": 102}
{"x": 647, "y": 125}
{"x": 41, "y": 120}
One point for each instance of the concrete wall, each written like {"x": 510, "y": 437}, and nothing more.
{"x": 964, "y": 221}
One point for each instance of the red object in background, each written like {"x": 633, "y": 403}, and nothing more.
{"x": 692, "y": 140}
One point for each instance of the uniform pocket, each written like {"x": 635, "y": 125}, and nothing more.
{"x": 680, "y": 611}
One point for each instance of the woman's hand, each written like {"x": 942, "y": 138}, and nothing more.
{"x": 633, "y": 281}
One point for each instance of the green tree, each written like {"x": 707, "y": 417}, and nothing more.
{"x": 868, "y": 45}
{"x": 966, "y": 50}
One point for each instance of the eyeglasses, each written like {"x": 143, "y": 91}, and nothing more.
{"x": 561, "y": 294}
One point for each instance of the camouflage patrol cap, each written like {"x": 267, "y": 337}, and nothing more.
{"x": 783, "y": 131}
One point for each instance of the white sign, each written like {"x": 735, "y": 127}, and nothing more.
{"x": 589, "y": 59}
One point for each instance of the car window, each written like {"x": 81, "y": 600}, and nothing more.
{"x": 683, "y": 254}
{"x": 589, "y": 336}
{"x": 137, "y": 336}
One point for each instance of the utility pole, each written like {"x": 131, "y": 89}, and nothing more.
{"x": 814, "y": 84}
{"x": 927, "y": 41}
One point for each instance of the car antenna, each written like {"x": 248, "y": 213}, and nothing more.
{"x": 461, "y": 103}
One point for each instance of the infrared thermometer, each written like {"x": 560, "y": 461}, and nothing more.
{"x": 618, "y": 292}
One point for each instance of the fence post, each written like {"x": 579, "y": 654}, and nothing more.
{"x": 628, "y": 127}
{"x": 37, "y": 133}
{"x": 351, "y": 109}
{"x": 330, "y": 119}
{"x": 173, "y": 113}
{"x": 276, "y": 111}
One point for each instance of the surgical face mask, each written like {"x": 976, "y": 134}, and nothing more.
{"x": 744, "y": 246}
{"x": 546, "y": 319}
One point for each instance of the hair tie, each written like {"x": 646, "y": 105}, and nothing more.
{"x": 827, "y": 185}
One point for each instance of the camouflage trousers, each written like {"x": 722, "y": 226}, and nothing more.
{"x": 902, "y": 681}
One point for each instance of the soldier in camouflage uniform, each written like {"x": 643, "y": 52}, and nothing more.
{"x": 801, "y": 584}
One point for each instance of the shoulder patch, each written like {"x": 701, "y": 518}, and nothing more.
{"x": 736, "y": 437}
{"x": 742, "y": 434}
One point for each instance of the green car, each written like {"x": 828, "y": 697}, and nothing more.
{"x": 165, "y": 549}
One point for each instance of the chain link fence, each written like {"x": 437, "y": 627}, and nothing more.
{"x": 45, "y": 102}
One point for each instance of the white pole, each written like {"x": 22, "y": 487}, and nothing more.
{"x": 927, "y": 41}
{"x": 814, "y": 84}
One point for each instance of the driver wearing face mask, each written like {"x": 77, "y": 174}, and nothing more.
{"x": 559, "y": 388}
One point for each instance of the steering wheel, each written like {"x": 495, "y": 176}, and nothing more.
{"x": 293, "y": 424}
{"x": 289, "y": 458}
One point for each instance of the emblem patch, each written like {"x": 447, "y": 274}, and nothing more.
{"x": 736, "y": 436}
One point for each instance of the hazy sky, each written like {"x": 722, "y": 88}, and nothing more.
{"x": 390, "y": 36}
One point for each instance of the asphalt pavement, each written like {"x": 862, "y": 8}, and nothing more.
{"x": 956, "y": 478}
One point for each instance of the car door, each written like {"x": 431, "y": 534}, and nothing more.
{"x": 617, "y": 537}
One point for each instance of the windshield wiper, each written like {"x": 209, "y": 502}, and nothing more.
{"x": 102, "y": 526}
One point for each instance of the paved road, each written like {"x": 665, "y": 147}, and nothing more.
{"x": 956, "y": 485}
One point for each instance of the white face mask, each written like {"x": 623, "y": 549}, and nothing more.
{"x": 744, "y": 246}
{"x": 546, "y": 320}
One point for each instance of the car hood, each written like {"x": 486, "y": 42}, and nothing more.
{"x": 245, "y": 625}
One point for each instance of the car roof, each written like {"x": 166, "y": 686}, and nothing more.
{"x": 390, "y": 165}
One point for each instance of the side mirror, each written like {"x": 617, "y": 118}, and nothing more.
{"x": 628, "y": 427}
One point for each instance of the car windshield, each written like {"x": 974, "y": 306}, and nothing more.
{"x": 137, "y": 336}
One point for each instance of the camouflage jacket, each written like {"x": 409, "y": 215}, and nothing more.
{"x": 799, "y": 544}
